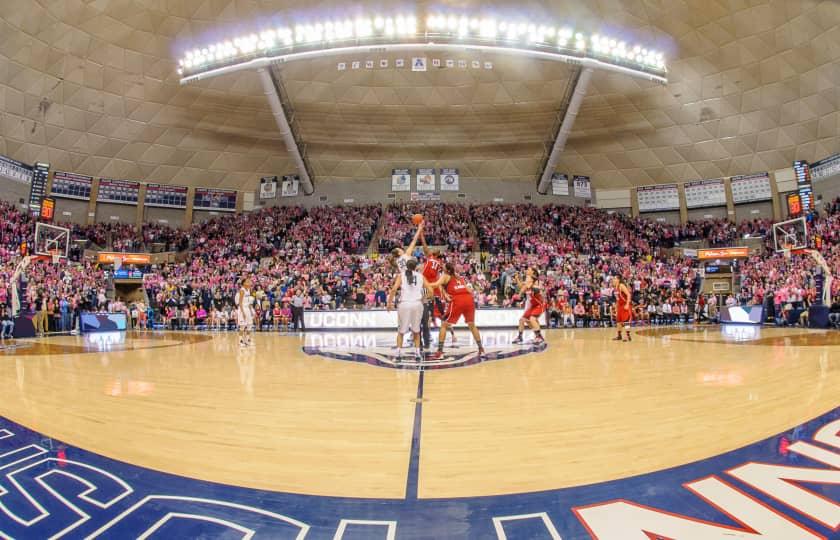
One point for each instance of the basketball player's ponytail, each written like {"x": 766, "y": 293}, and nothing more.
{"x": 410, "y": 266}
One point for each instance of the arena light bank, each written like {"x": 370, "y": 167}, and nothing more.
{"x": 439, "y": 31}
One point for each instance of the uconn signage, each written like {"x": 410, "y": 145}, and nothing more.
{"x": 381, "y": 319}
{"x": 782, "y": 488}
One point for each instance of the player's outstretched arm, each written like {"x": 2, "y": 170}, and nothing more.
{"x": 410, "y": 249}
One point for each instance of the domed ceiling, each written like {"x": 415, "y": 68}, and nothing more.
{"x": 91, "y": 87}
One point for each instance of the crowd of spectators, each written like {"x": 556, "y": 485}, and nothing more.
{"x": 317, "y": 258}
{"x": 446, "y": 224}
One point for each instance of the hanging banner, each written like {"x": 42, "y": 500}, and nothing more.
{"x": 166, "y": 196}
{"x": 658, "y": 198}
{"x": 705, "y": 193}
{"x": 449, "y": 180}
{"x": 69, "y": 185}
{"x": 118, "y": 191}
{"x": 401, "y": 180}
{"x": 222, "y": 200}
{"x": 290, "y": 186}
{"x": 825, "y": 167}
{"x": 15, "y": 170}
{"x": 418, "y": 63}
{"x": 559, "y": 184}
{"x": 268, "y": 187}
{"x": 583, "y": 188}
{"x": 751, "y": 188}
{"x": 426, "y": 180}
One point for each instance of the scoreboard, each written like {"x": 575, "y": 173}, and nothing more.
{"x": 69, "y": 185}
{"x": 118, "y": 191}
{"x": 38, "y": 187}
{"x": 166, "y": 196}
{"x": 802, "y": 171}
{"x": 222, "y": 200}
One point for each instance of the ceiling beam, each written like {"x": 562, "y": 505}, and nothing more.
{"x": 565, "y": 128}
{"x": 272, "y": 94}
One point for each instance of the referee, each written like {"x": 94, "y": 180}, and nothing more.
{"x": 297, "y": 312}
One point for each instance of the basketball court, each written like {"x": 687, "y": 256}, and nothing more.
{"x": 339, "y": 432}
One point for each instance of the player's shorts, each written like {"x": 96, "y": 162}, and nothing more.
{"x": 409, "y": 315}
{"x": 623, "y": 315}
{"x": 534, "y": 311}
{"x": 244, "y": 322}
{"x": 461, "y": 305}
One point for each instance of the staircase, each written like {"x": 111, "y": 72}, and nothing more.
{"x": 373, "y": 247}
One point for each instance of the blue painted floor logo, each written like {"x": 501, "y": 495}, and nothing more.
{"x": 379, "y": 349}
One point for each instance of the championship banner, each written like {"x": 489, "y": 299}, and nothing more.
{"x": 268, "y": 187}
{"x": 559, "y": 184}
{"x": 658, "y": 198}
{"x": 426, "y": 180}
{"x": 583, "y": 187}
{"x": 290, "y": 186}
{"x": 705, "y": 193}
{"x": 118, "y": 191}
{"x": 449, "y": 180}
{"x": 15, "y": 170}
{"x": 825, "y": 167}
{"x": 166, "y": 196}
{"x": 401, "y": 180}
{"x": 69, "y": 185}
{"x": 751, "y": 188}
{"x": 723, "y": 253}
{"x": 222, "y": 200}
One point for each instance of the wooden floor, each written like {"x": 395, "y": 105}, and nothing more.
{"x": 585, "y": 410}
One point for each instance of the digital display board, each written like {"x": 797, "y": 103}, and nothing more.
{"x": 125, "y": 273}
{"x": 38, "y": 187}
{"x": 802, "y": 171}
{"x": 166, "y": 196}
{"x": 794, "y": 203}
{"x": 15, "y": 170}
{"x": 47, "y": 210}
{"x": 69, "y": 185}
{"x": 118, "y": 191}
{"x": 223, "y": 200}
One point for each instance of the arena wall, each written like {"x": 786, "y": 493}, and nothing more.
{"x": 699, "y": 214}
{"x": 828, "y": 188}
{"x": 376, "y": 192}
{"x": 13, "y": 192}
{"x": 77, "y": 210}
{"x": 105, "y": 213}
{"x": 672, "y": 218}
{"x": 762, "y": 209}
{"x": 169, "y": 216}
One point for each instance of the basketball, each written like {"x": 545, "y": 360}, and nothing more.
{"x": 417, "y": 219}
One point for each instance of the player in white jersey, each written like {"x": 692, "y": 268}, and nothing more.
{"x": 245, "y": 313}
{"x": 413, "y": 288}
{"x": 400, "y": 256}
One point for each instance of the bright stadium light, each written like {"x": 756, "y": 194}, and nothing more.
{"x": 402, "y": 30}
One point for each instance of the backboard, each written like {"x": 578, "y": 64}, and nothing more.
{"x": 791, "y": 235}
{"x": 51, "y": 240}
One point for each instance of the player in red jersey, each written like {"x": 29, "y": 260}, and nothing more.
{"x": 534, "y": 304}
{"x": 461, "y": 304}
{"x": 623, "y": 308}
{"x": 433, "y": 308}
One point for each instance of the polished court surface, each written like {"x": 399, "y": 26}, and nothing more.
{"x": 337, "y": 417}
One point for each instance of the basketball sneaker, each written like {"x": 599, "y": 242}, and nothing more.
{"x": 518, "y": 340}
{"x": 539, "y": 339}
{"x": 438, "y": 355}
